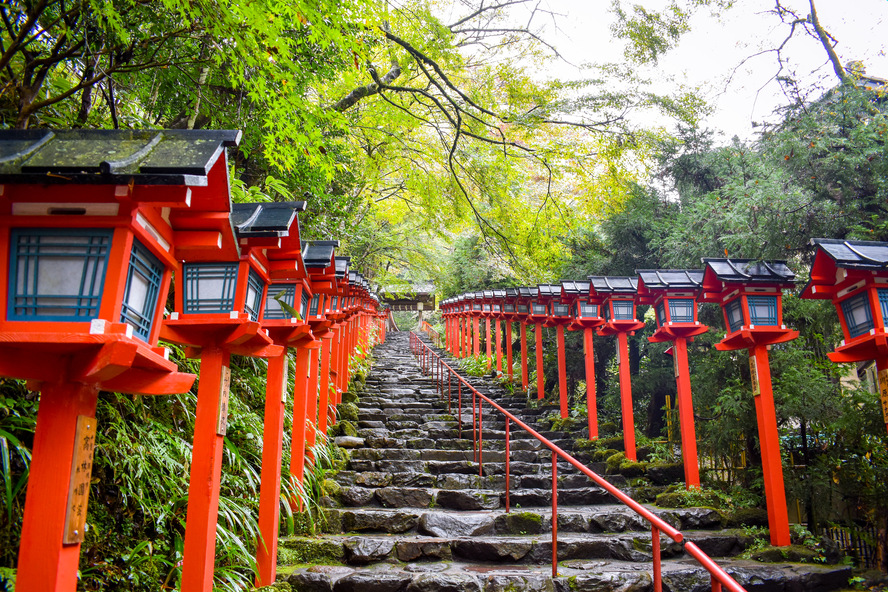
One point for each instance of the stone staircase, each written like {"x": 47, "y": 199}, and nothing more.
{"x": 414, "y": 513}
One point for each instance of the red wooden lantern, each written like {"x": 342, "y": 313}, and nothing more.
{"x": 559, "y": 317}
{"x": 320, "y": 261}
{"x": 496, "y": 310}
{"x": 749, "y": 293}
{"x": 584, "y": 308}
{"x": 539, "y": 314}
{"x": 618, "y": 312}
{"x": 475, "y": 300}
{"x": 219, "y": 304}
{"x": 522, "y": 312}
{"x": 487, "y": 315}
{"x": 288, "y": 292}
{"x": 339, "y": 317}
{"x": 509, "y": 315}
{"x": 87, "y": 230}
{"x": 672, "y": 293}
{"x": 854, "y": 275}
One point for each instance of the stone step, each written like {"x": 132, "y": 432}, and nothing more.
{"x": 449, "y": 523}
{"x": 575, "y": 575}
{"x": 529, "y": 549}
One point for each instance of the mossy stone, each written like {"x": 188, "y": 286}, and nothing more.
{"x": 331, "y": 488}
{"x": 630, "y": 468}
{"x": 671, "y": 500}
{"x": 748, "y": 517}
{"x": 615, "y": 442}
{"x": 603, "y": 455}
{"x": 348, "y": 411}
{"x": 276, "y": 587}
{"x": 792, "y": 553}
{"x": 349, "y": 397}
{"x": 309, "y": 550}
{"x": 614, "y": 461}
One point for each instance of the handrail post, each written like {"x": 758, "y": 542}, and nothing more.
{"x": 459, "y": 405}
{"x": 480, "y": 437}
{"x": 554, "y": 514}
{"x": 474, "y": 427}
{"x": 655, "y": 550}
{"x": 449, "y": 376}
{"x": 716, "y": 585}
{"x": 507, "y": 466}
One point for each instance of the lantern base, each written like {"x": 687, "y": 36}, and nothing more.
{"x": 111, "y": 360}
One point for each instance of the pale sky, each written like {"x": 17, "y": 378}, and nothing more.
{"x": 717, "y": 44}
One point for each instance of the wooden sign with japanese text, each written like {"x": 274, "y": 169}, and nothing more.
{"x": 81, "y": 472}
{"x": 754, "y": 375}
{"x": 222, "y": 415}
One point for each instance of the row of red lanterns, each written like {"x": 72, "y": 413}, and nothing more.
{"x": 853, "y": 274}
{"x": 94, "y": 227}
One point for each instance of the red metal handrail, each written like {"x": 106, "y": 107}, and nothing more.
{"x": 433, "y": 334}
{"x": 424, "y": 353}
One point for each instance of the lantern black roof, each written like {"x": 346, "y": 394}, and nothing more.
{"x": 573, "y": 287}
{"x": 318, "y": 253}
{"x": 855, "y": 254}
{"x": 499, "y": 293}
{"x": 488, "y": 293}
{"x": 525, "y": 292}
{"x": 511, "y": 292}
{"x": 261, "y": 220}
{"x": 549, "y": 290}
{"x": 609, "y": 284}
{"x": 342, "y": 266}
{"x": 112, "y": 157}
{"x": 749, "y": 270}
{"x": 662, "y": 279}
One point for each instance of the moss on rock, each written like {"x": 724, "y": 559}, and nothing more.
{"x": 348, "y": 411}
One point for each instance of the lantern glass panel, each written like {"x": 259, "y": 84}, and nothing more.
{"x": 496, "y": 308}
{"x": 280, "y": 296}
{"x": 589, "y": 310}
{"x": 681, "y": 310}
{"x": 209, "y": 287}
{"x": 661, "y": 313}
{"x": 303, "y": 305}
{"x": 560, "y": 310}
{"x": 313, "y": 308}
{"x": 255, "y": 287}
{"x": 762, "y": 310}
{"x": 522, "y": 309}
{"x": 508, "y": 307}
{"x": 734, "y": 312}
{"x": 57, "y": 275}
{"x": 334, "y": 303}
{"x": 539, "y": 309}
{"x": 142, "y": 289}
{"x": 857, "y": 314}
{"x": 486, "y": 308}
{"x": 476, "y": 306}
{"x": 883, "y": 301}
{"x": 624, "y": 310}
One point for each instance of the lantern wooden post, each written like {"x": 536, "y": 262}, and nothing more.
{"x": 46, "y": 561}
{"x": 749, "y": 293}
{"x": 558, "y": 315}
{"x": 618, "y": 302}
{"x": 562, "y": 372}
{"x": 206, "y": 469}
{"x": 585, "y": 306}
{"x": 540, "y": 375}
{"x": 522, "y": 308}
{"x": 591, "y": 401}
{"x": 476, "y": 322}
{"x": 854, "y": 275}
